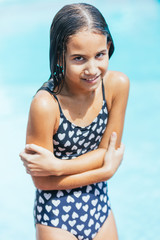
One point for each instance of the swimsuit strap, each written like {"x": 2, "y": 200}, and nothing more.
{"x": 103, "y": 91}
{"x": 48, "y": 86}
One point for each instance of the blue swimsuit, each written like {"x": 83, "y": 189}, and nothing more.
{"x": 83, "y": 210}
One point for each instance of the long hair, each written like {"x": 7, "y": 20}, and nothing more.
{"x": 67, "y": 22}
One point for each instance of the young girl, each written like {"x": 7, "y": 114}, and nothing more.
{"x": 78, "y": 115}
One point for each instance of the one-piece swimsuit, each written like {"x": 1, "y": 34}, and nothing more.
{"x": 83, "y": 210}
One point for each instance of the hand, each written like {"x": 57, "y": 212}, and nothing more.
{"x": 113, "y": 157}
{"x": 39, "y": 161}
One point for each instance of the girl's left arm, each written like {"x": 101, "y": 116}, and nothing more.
{"x": 117, "y": 90}
{"x": 117, "y": 85}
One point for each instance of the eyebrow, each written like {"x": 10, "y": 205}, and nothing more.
{"x": 80, "y": 54}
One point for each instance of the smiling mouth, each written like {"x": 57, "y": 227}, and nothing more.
{"x": 90, "y": 79}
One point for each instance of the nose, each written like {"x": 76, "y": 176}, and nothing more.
{"x": 90, "y": 68}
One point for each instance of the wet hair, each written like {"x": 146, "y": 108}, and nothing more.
{"x": 68, "y": 21}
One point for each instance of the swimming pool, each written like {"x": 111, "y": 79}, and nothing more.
{"x": 24, "y": 66}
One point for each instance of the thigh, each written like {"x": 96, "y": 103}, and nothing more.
{"x": 108, "y": 230}
{"x": 50, "y": 233}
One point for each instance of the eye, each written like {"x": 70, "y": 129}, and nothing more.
{"x": 100, "y": 55}
{"x": 79, "y": 59}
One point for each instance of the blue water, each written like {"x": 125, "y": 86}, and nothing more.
{"x": 24, "y": 65}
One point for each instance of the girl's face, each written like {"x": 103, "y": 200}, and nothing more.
{"x": 86, "y": 61}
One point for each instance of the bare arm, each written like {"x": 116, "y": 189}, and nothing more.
{"x": 118, "y": 88}
{"x": 112, "y": 161}
{"x": 115, "y": 123}
{"x": 40, "y": 131}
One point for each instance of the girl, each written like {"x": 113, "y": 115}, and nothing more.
{"x": 78, "y": 115}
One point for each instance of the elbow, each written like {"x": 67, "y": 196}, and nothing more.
{"x": 44, "y": 184}
{"x": 39, "y": 183}
{"x": 40, "y": 187}
{"x": 107, "y": 173}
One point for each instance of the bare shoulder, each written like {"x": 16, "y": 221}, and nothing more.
{"x": 116, "y": 82}
{"x": 43, "y": 103}
{"x": 118, "y": 79}
{"x": 44, "y": 110}
{"x": 116, "y": 86}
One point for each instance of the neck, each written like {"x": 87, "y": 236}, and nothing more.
{"x": 76, "y": 93}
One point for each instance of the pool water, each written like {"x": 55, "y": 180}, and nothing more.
{"x": 24, "y": 41}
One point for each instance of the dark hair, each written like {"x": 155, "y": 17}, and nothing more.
{"x": 68, "y": 21}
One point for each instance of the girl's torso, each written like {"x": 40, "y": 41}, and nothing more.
{"x": 81, "y": 110}
{"x": 72, "y": 140}
{"x": 73, "y": 209}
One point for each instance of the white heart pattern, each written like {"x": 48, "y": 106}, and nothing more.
{"x": 78, "y": 205}
{"x": 85, "y": 207}
{"x": 48, "y": 208}
{"x": 72, "y": 223}
{"x": 75, "y": 139}
{"x": 91, "y": 136}
{"x": 87, "y": 232}
{"x": 84, "y": 217}
{"x": 71, "y": 141}
{"x": 39, "y": 217}
{"x": 55, "y": 222}
{"x": 80, "y": 227}
{"x": 81, "y": 211}
{"x": 100, "y": 122}
{"x": 73, "y": 232}
{"x": 41, "y": 200}
{"x": 65, "y": 217}
{"x": 92, "y": 212}
{"x": 67, "y": 144}
{"x": 61, "y": 136}
{"x": 60, "y": 194}
{"x": 89, "y": 188}
{"x": 55, "y": 202}
{"x": 64, "y": 227}
{"x": 65, "y": 125}
{"x": 97, "y": 226}
{"x": 86, "y": 198}
{"x": 94, "y": 127}
{"x": 47, "y": 196}
{"x": 94, "y": 202}
{"x": 75, "y": 215}
{"x": 99, "y": 207}
{"x": 56, "y": 211}
{"x": 70, "y": 199}
{"x": 45, "y": 217}
{"x": 91, "y": 222}
{"x": 77, "y": 193}
{"x": 74, "y": 148}
{"x": 67, "y": 208}
{"x": 39, "y": 208}
{"x": 81, "y": 142}
{"x": 71, "y": 133}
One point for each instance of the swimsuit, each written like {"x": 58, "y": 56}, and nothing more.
{"x": 83, "y": 210}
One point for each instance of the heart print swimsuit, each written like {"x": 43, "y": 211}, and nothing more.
{"x": 83, "y": 210}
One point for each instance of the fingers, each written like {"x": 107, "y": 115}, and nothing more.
{"x": 33, "y": 148}
{"x": 27, "y": 160}
{"x": 25, "y": 157}
{"x": 28, "y": 171}
{"x": 113, "y": 140}
{"x": 37, "y": 150}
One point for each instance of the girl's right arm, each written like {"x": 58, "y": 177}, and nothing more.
{"x": 112, "y": 161}
{"x": 41, "y": 129}
{"x": 44, "y": 163}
